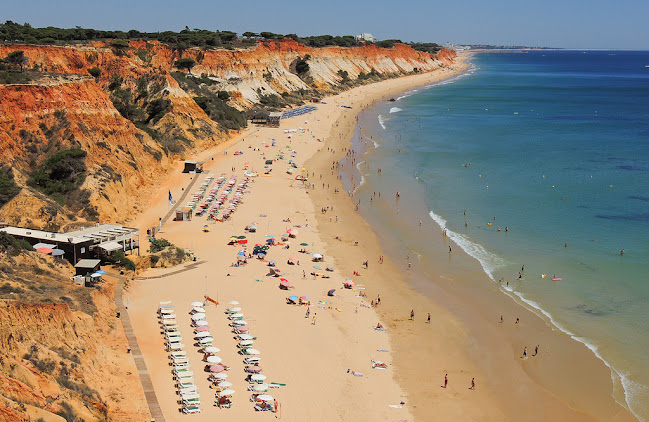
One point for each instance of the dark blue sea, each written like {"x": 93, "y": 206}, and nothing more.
{"x": 538, "y": 158}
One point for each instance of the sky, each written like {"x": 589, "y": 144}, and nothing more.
{"x": 605, "y": 24}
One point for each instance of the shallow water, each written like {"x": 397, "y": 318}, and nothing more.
{"x": 553, "y": 149}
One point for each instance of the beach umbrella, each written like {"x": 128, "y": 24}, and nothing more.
{"x": 293, "y": 258}
{"x": 331, "y": 292}
{"x": 246, "y": 337}
{"x": 213, "y": 359}
{"x": 330, "y": 267}
{"x": 225, "y": 384}
{"x": 201, "y": 329}
{"x": 304, "y": 298}
{"x": 242, "y": 329}
{"x": 241, "y": 237}
{"x": 44, "y": 250}
{"x": 317, "y": 255}
{"x": 193, "y": 303}
{"x": 201, "y": 323}
{"x": 317, "y": 268}
{"x": 285, "y": 283}
{"x": 217, "y": 368}
{"x": 271, "y": 240}
{"x": 197, "y": 310}
{"x": 293, "y": 297}
{"x": 220, "y": 376}
{"x": 224, "y": 393}
{"x": 233, "y": 302}
{"x": 202, "y": 334}
{"x": 198, "y": 317}
{"x": 253, "y": 352}
{"x": 59, "y": 252}
{"x": 265, "y": 397}
{"x": 211, "y": 349}
{"x": 271, "y": 263}
{"x": 257, "y": 377}
{"x": 102, "y": 272}
{"x": 241, "y": 253}
{"x": 304, "y": 244}
{"x": 95, "y": 275}
{"x": 234, "y": 310}
{"x": 256, "y": 369}
{"x": 260, "y": 387}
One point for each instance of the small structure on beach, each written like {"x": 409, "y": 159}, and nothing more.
{"x": 193, "y": 167}
{"x": 259, "y": 117}
{"x": 274, "y": 119}
{"x": 87, "y": 266}
{"x": 184, "y": 214}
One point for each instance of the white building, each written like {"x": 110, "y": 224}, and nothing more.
{"x": 365, "y": 36}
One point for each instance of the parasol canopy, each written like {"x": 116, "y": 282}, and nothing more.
{"x": 211, "y": 349}
{"x": 260, "y": 387}
{"x": 198, "y": 317}
{"x": 220, "y": 376}
{"x": 201, "y": 323}
{"x": 265, "y": 397}
{"x": 331, "y": 292}
{"x": 253, "y": 352}
{"x": 293, "y": 297}
{"x": 257, "y": 377}
{"x": 213, "y": 359}
{"x": 233, "y": 302}
{"x": 193, "y": 303}
{"x": 217, "y": 368}
{"x": 225, "y": 393}
{"x": 44, "y": 250}
{"x": 202, "y": 328}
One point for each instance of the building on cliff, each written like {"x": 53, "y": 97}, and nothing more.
{"x": 98, "y": 241}
{"x": 365, "y": 36}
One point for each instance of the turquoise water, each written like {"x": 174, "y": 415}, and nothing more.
{"x": 555, "y": 146}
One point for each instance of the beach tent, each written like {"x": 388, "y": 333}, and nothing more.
{"x": 331, "y": 292}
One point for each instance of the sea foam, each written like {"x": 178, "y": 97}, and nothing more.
{"x": 395, "y": 110}
{"x": 382, "y": 122}
{"x": 487, "y": 260}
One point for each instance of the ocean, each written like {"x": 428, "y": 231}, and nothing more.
{"x": 537, "y": 158}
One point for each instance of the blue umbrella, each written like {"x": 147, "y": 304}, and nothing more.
{"x": 241, "y": 253}
{"x": 293, "y": 297}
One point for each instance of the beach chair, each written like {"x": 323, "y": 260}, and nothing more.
{"x": 168, "y": 322}
{"x": 172, "y": 328}
{"x": 173, "y": 337}
{"x": 181, "y": 363}
{"x": 252, "y": 360}
{"x": 191, "y": 409}
{"x": 187, "y": 391}
{"x": 186, "y": 386}
{"x": 196, "y": 401}
{"x": 174, "y": 347}
{"x": 178, "y": 355}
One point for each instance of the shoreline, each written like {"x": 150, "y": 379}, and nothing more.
{"x": 417, "y": 366}
{"x": 601, "y": 405}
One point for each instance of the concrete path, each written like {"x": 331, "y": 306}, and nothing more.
{"x": 145, "y": 379}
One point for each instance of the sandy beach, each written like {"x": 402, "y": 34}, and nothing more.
{"x": 324, "y": 361}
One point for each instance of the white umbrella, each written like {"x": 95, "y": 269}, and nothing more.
{"x": 213, "y": 359}
{"x": 245, "y": 337}
{"x": 197, "y": 304}
{"x": 211, "y": 349}
{"x": 253, "y": 352}
{"x": 197, "y": 310}
{"x": 202, "y": 334}
{"x": 219, "y": 376}
{"x": 317, "y": 255}
{"x": 201, "y": 323}
{"x": 198, "y": 317}
{"x": 265, "y": 397}
{"x": 233, "y": 302}
{"x": 260, "y": 387}
{"x": 257, "y": 377}
{"x": 225, "y": 384}
{"x": 234, "y": 310}
{"x": 227, "y": 392}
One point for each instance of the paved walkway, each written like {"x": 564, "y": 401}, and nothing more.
{"x": 145, "y": 379}
{"x": 182, "y": 270}
{"x": 181, "y": 200}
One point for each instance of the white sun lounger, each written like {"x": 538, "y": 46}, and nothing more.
{"x": 174, "y": 347}
{"x": 168, "y": 322}
{"x": 181, "y": 363}
{"x": 173, "y": 337}
{"x": 174, "y": 355}
{"x": 168, "y": 316}
{"x": 186, "y": 384}
{"x": 187, "y": 391}
{"x": 191, "y": 409}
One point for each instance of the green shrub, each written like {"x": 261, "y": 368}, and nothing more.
{"x": 159, "y": 244}
{"x": 95, "y": 72}
{"x": 61, "y": 173}
{"x": 8, "y": 188}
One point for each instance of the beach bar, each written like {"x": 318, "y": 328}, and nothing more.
{"x": 184, "y": 214}
{"x": 98, "y": 241}
{"x": 193, "y": 167}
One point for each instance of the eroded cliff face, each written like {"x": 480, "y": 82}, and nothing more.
{"x": 62, "y": 358}
{"x": 64, "y": 107}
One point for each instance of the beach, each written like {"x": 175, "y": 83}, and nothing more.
{"x": 325, "y": 359}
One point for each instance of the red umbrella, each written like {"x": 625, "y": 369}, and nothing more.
{"x": 285, "y": 283}
{"x": 202, "y": 328}
{"x": 44, "y": 250}
{"x": 242, "y": 329}
{"x": 217, "y": 368}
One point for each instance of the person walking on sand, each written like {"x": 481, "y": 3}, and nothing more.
{"x": 524, "y": 353}
{"x": 315, "y": 314}
{"x": 412, "y": 315}
{"x": 428, "y": 320}
{"x": 445, "y": 380}
{"x": 308, "y": 312}
{"x": 501, "y": 319}
{"x": 472, "y": 384}
{"x": 536, "y": 350}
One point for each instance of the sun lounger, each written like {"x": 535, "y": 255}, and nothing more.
{"x": 166, "y": 311}
{"x": 195, "y": 401}
{"x": 173, "y": 328}
{"x": 191, "y": 409}
{"x": 187, "y": 391}
{"x": 168, "y": 316}
{"x": 181, "y": 363}
{"x": 184, "y": 385}
{"x": 168, "y": 322}
{"x": 252, "y": 360}
{"x": 175, "y": 355}
{"x": 173, "y": 337}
